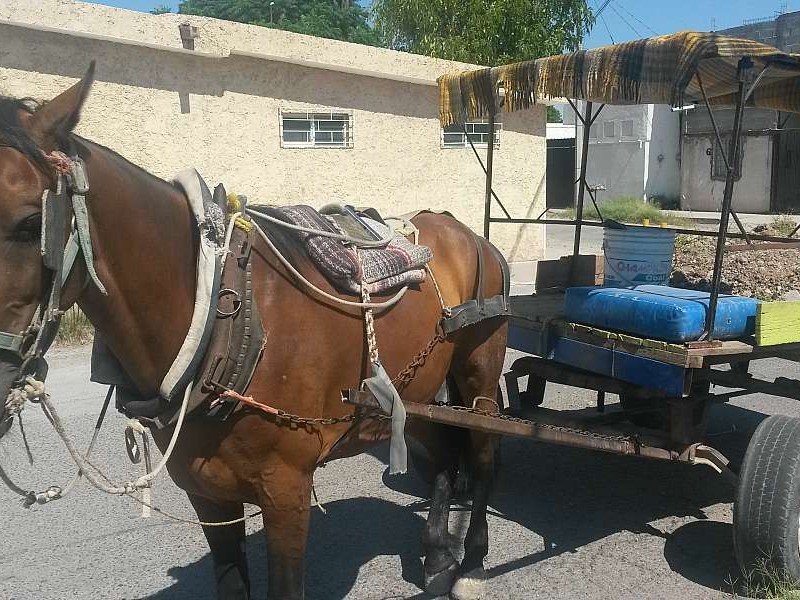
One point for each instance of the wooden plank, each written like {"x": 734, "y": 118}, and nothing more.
{"x": 777, "y": 323}
{"x": 540, "y": 307}
{"x": 555, "y": 274}
{"x": 674, "y": 354}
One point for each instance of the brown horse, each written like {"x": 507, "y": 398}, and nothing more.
{"x": 145, "y": 243}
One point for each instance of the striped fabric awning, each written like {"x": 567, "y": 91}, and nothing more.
{"x": 658, "y": 70}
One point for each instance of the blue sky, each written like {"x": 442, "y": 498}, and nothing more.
{"x": 628, "y": 19}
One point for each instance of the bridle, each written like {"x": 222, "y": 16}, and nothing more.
{"x": 62, "y": 209}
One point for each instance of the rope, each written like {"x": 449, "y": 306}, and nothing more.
{"x": 363, "y": 243}
{"x": 86, "y": 466}
{"x": 446, "y": 310}
{"x": 378, "y": 306}
{"x": 369, "y": 320}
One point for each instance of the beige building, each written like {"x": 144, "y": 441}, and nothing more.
{"x": 281, "y": 117}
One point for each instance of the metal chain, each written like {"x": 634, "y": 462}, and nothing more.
{"x": 562, "y": 428}
{"x": 406, "y": 376}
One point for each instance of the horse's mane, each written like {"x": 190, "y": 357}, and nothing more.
{"x": 14, "y": 135}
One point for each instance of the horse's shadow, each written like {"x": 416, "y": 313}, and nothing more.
{"x": 353, "y": 532}
{"x": 569, "y": 497}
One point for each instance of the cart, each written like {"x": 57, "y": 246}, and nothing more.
{"x": 665, "y": 389}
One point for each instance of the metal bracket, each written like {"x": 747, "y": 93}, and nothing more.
{"x": 700, "y": 454}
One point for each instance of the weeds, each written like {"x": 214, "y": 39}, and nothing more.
{"x": 75, "y": 328}
{"x": 765, "y": 581}
{"x": 628, "y": 210}
{"x": 783, "y": 224}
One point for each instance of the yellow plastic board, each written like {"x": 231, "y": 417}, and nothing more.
{"x": 777, "y": 323}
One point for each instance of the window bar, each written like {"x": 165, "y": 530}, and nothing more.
{"x": 483, "y": 166}
{"x": 727, "y": 197}
{"x": 722, "y": 150}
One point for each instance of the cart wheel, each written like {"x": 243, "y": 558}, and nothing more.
{"x": 766, "y": 514}
{"x": 534, "y": 393}
{"x": 643, "y": 417}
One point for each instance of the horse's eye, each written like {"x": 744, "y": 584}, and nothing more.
{"x": 28, "y": 231}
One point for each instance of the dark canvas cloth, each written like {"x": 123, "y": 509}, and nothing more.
{"x": 657, "y": 70}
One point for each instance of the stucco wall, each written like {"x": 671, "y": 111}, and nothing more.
{"x": 641, "y": 163}
{"x": 751, "y": 193}
{"x": 231, "y": 130}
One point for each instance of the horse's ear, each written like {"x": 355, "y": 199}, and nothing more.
{"x": 54, "y": 121}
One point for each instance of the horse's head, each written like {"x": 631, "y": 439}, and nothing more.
{"x": 28, "y": 135}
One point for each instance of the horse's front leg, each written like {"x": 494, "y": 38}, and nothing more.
{"x": 227, "y": 546}
{"x": 286, "y": 499}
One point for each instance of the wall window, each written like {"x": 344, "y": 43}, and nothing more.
{"x": 626, "y": 128}
{"x": 609, "y": 129}
{"x": 718, "y": 169}
{"x": 453, "y": 136}
{"x": 316, "y": 129}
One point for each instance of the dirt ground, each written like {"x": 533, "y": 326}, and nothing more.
{"x": 763, "y": 274}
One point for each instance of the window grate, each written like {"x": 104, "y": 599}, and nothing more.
{"x": 453, "y": 136}
{"x": 316, "y": 129}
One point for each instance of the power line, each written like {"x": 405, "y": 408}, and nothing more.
{"x": 628, "y": 23}
{"x": 600, "y": 10}
{"x": 603, "y": 19}
{"x": 653, "y": 31}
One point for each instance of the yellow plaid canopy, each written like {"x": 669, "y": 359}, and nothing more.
{"x": 658, "y": 70}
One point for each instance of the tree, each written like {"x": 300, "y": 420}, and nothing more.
{"x": 486, "y": 32}
{"x": 554, "y": 115}
{"x": 335, "y": 19}
{"x": 160, "y": 10}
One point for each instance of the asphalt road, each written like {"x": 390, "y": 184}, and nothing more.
{"x": 564, "y": 523}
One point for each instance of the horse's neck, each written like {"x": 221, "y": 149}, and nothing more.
{"x": 145, "y": 240}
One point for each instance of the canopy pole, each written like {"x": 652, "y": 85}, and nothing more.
{"x": 487, "y": 206}
{"x": 722, "y": 149}
{"x": 727, "y": 198}
{"x": 587, "y": 126}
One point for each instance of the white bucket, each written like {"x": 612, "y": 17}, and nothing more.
{"x": 640, "y": 256}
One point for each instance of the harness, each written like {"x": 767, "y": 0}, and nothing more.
{"x": 59, "y": 257}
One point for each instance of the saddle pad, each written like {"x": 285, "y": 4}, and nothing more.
{"x": 659, "y": 312}
{"x": 399, "y": 263}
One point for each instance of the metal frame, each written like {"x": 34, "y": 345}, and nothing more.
{"x": 747, "y": 84}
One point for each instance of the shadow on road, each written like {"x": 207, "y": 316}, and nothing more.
{"x": 352, "y": 533}
{"x": 567, "y": 496}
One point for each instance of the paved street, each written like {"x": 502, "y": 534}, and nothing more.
{"x": 564, "y": 523}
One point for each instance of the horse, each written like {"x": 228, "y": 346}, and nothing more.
{"x": 145, "y": 244}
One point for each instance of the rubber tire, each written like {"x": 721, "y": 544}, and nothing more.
{"x": 766, "y": 511}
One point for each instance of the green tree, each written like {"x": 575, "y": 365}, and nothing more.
{"x": 554, "y": 115}
{"x": 486, "y": 32}
{"x": 162, "y": 9}
{"x": 336, "y": 19}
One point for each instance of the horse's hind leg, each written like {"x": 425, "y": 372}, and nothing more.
{"x": 476, "y": 370}
{"x": 435, "y": 459}
{"x": 227, "y": 546}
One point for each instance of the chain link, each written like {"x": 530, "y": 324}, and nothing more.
{"x": 406, "y": 376}
{"x": 561, "y": 428}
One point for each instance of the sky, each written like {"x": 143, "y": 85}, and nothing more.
{"x": 624, "y": 20}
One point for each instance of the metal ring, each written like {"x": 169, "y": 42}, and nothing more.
{"x": 237, "y": 303}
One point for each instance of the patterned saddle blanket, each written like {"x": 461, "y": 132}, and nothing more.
{"x": 346, "y": 266}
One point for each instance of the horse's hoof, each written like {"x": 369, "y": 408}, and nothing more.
{"x": 440, "y": 584}
{"x": 470, "y": 586}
